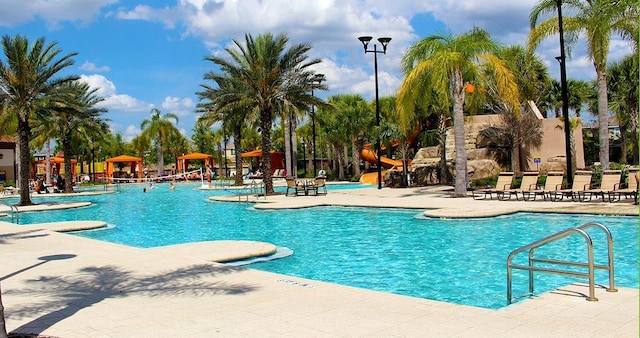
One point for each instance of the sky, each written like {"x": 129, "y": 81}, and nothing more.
{"x": 145, "y": 54}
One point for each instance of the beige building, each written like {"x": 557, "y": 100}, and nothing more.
{"x": 553, "y": 142}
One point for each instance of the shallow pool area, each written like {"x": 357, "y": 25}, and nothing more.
{"x": 460, "y": 261}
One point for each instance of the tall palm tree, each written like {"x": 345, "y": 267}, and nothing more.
{"x": 271, "y": 77}
{"x": 623, "y": 101}
{"x": 447, "y": 63}
{"x": 28, "y": 80}
{"x": 597, "y": 21}
{"x": 158, "y": 128}
{"x": 233, "y": 114}
{"x": 72, "y": 113}
{"x": 360, "y": 120}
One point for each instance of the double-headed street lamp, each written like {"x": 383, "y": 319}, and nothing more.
{"x": 384, "y": 42}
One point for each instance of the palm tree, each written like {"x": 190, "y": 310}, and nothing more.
{"x": 597, "y": 20}
{"x": 623, "y": 101}
{"x": 522, "y": 132}
{"x": 360, "y": 118}
{"x": 271, "y": 77}
{"x": 233, "y": 115}
{"x": 158, "y": 128}
{"x": 71, "y": 113}
{"x": 446, "y": 63}
{"x": 28, "y": 79}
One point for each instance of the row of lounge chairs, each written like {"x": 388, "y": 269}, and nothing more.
{"x": 304, "y": 187}
{"x": 582, "y": 190}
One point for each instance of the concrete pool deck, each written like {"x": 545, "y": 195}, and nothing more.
{"x": 67, "y": 286}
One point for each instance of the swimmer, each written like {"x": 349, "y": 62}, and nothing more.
{"x": 172, "y": 186}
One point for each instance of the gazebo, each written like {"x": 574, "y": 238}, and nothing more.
{"x": 183, "y": 161}
{"x": 56, "y": 162}
{"x": 134, "y": 162}
{"x": 277, "y": 157}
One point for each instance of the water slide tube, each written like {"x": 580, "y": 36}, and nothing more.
{"x": 370, "y": 156}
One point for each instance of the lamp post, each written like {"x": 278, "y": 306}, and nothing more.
{"x": 304, "y": 156}
{"x": 565, "y": 98}
{"x": 384, "y": 42}
{"x": 317, "y": 78}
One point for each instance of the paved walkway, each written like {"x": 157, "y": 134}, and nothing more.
{"x": 67, "y": 286}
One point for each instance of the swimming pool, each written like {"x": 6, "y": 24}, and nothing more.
{"x": 460, "y": 261}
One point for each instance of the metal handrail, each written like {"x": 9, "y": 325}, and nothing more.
{"x": 15, "y": 212}
{"x": 590, "y": 265}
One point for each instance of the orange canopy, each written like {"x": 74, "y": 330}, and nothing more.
{"x": 56, "y": 162}
{"x": 135, "y": 164}
{"x": 277, "y": 158}
{"x": 183, "y": 161}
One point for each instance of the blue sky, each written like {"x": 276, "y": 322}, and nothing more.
{"x": 146, "y": 54}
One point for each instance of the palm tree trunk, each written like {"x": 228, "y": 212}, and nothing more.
{"x": 24, "y": 134}
{"x": 294, "y": 146}
{"x": 633, "y": 125}
{"x": 287, "y": 144}
{"x": 68, "y": 171}
{"x": 603, "y": 117}
{"x": 237, "y": 143}
{"x": 160, "y": 157}
{"x": 457, "y": 88}
{"x": 442, "y": 132}
{"x": 340, "y": 162}
{"x": 265, "y": 125}
{"x": 355, "y": 156}
{"x": 345, "y": 156}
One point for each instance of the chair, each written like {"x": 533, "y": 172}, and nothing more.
{"x": 553, "y": 184}
{"x": 610, "y": 179}
{"x": 503, "y": 183}
{"x": 320, "y": 183}
{"x": 631, "y": 189}
{"x": 581, "y": 182}
{"x": 292, "y": 185}
{"x": 527, "y": 185}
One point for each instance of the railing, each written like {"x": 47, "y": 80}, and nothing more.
{"x": 15, "y": 213}
{"x": 254, "y": 188}
{"x": 590, "y": 265}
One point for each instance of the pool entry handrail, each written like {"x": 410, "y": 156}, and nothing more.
{"x": 590, "y": 265}
{"x": 15, "y": 213}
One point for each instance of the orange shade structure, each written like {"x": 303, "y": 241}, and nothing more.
{"x": 134, "y": 162}
{"x": 55, "y": 162}
{"x": 183, "y": 161}
{"x": 277, "y": 158}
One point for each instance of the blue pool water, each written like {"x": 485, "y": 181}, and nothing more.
{"x": 461, "y": 261}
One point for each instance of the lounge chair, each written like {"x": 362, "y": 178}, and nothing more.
{"x": 581, "y": 182}
{"x": 503, "y": 183}
{"x": 528, "y": 184}
{"x": 320, "y": 183}
{"x": 610, "y": 179}
{"x": 298, "y": 189}
{"x": 553, "y": 184}
{"x": 631, "y": 189}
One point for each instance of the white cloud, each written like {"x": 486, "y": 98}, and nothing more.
{"x": 178, "y": 106}
{"x": 92, "y": 67}
{"x": 17, "y": 12}
{"x": 112, "y": 100}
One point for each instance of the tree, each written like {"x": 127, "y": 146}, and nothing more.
{"x": 28, "y": 80}
{"x": 358, "y": 119}
{"x": 520, "y": 132}
{"x": 597, "y": 20}
{"x": 272, "y": 77}
{"x": 233, "y": 114}
{"x": 623, "y": 102}
{"x": 158, "y": 128}
{"x": 446, "y": 63}
{"x": 71, "y": 114}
